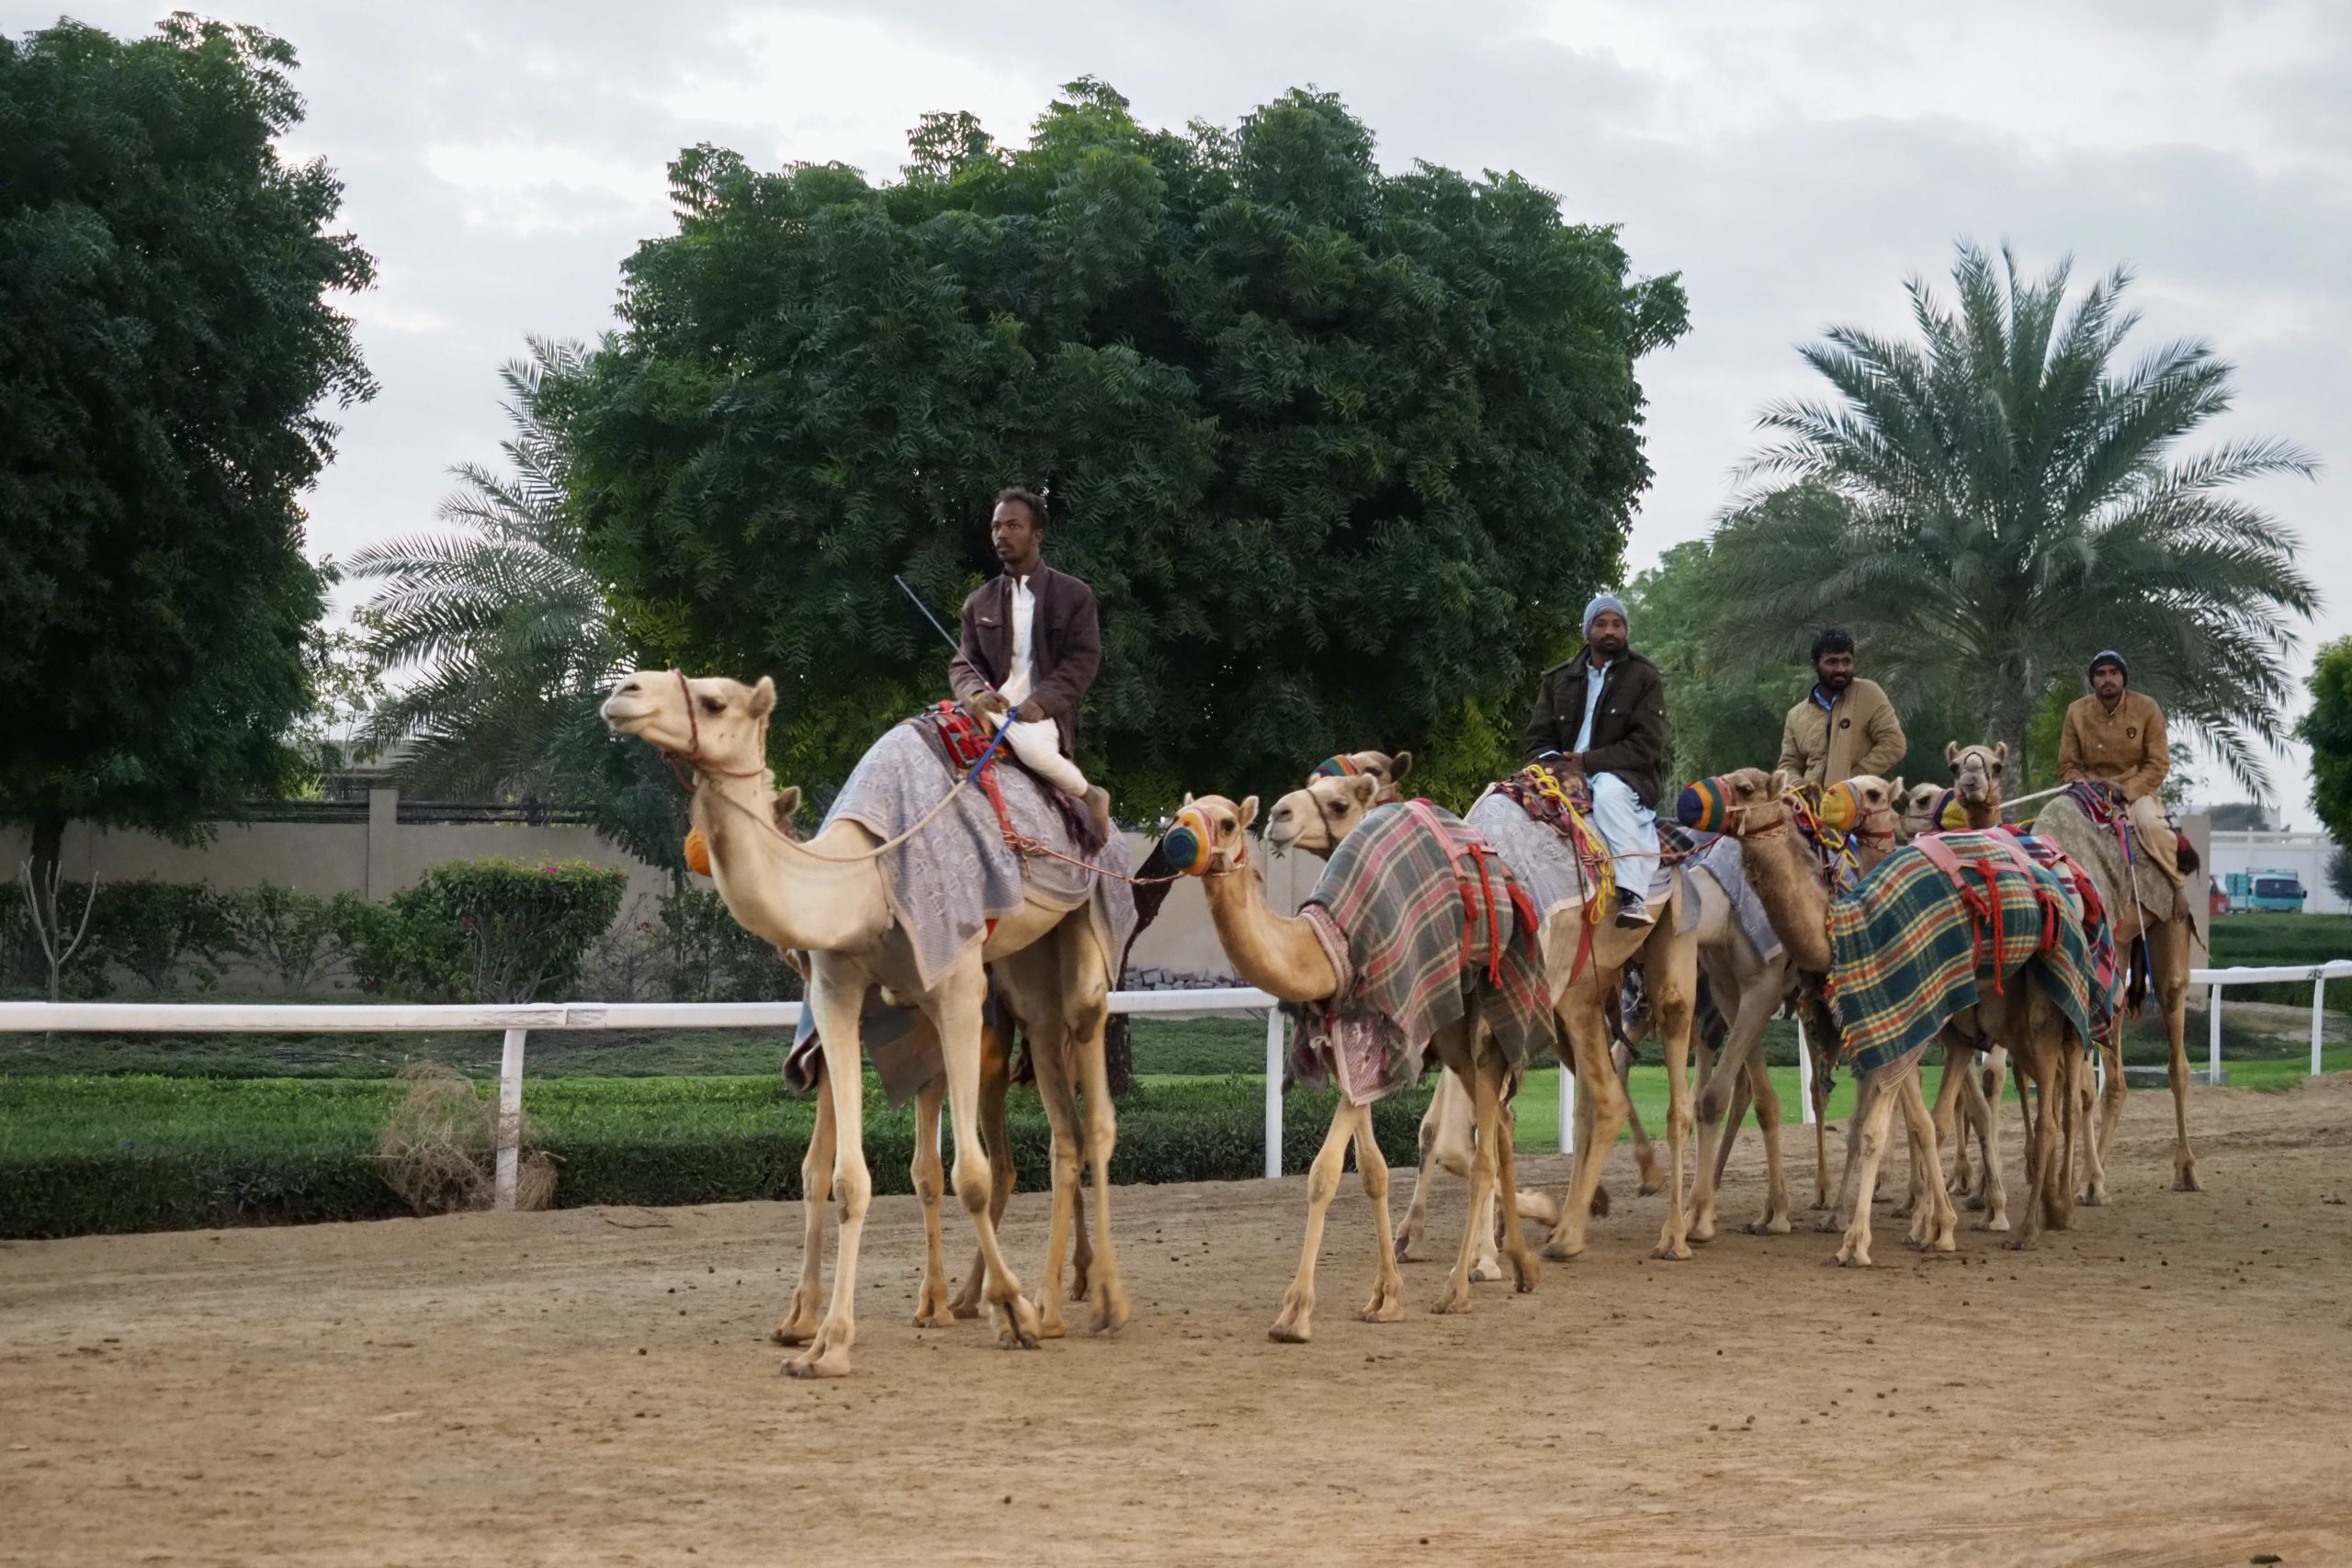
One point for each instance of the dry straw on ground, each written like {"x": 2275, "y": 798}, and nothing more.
{"x": 439, "y": 1148}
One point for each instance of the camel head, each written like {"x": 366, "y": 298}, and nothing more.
{"x": 1920, "y": 804}
{"x": 1976, "y": 772}
{"x": 712, "y": 721}
{"x": 1876, "y": 807}
{"x": 1210, "y": 836}
{"x": 1743, "y": 804}
{"x": 1314, "y": 819}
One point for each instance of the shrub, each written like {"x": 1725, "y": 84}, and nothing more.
{"x": 492, "y": 931}
{"x": 707, "y": 956}
{"x": 291, "y": 934}
{"x": 157, "y": 930}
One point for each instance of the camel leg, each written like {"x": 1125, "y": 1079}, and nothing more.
{"x": 799, "y": 1326}
{"x": 1723, "y": 1101}
{"x": 1776, "y": 1220}
{"x": 2040, "y": 1156}
{"x": 2168, "y": 957}
{"x": 1524, "y": 1267}
{"x": 1054, "y": 1092}
{"x": 1387, "y": 1302}
{"x": 1743, "y": 1096}
{"x": 996, "y": 1082}
{"x": 1934, "y": 1219}
{"x": 1296, "y": 1325}
{"x": 1112, "y": 1308}
{"x": 1959, "y": 1061}
{"x": 1408, "y": 1233}
{"x": 1867, "y": 1093}
{"x": 2094, "y": 1193}
{"x": 837, "y": 1005}
{"x": 1869, "y": 1145}
{"x": 1645, "y": 1152}
{"x": 958, "y": 1020}
{"x": 1486, "y": 1106}
{"x": 1600, "y": 1112}
{"x": 1981, "y": 1119}
{"x": 2110, "y": 1110}
{"x": 931, "y": 1307}
{"x": 1673, "y": 982}
{"x": 1821, "y": 1198}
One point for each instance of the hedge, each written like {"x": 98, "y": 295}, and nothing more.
{"x": 82, "y": 1156}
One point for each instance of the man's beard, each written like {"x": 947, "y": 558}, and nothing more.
{"x": 1836, "y": 683}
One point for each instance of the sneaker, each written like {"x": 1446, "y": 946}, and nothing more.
{"x": 1632, "y": 911}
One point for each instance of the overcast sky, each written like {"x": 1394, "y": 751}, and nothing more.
{"x": 1793, "y": 161}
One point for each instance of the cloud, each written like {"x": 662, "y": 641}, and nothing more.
{"x": 1793, "y": 163}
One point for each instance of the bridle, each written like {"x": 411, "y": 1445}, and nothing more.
{"x": 693, "y": 753}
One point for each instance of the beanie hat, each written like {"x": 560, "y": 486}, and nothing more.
{"x": 2108, "y": 656}
{"x": 1603, "y": 602}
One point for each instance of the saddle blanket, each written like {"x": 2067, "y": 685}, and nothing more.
{"x": 1543, "y": 861}
{"x": 1908, "y": 952}
{"x": 1423, "y": 922}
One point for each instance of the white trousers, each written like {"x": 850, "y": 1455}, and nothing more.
{"x": 1629, "y": 828}
{"x": 1038, "y": 743}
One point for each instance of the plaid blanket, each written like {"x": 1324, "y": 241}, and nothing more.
{"x": 1423, "y": 922}
{"x": 1908, "y": 952}
{"x": 2098, "y": 933}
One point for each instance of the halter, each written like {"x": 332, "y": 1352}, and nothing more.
{"x": 693, "y": 753}
{"x": 1189, "y": 844}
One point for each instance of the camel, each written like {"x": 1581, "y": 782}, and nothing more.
{"x": 827, "y": 898}
{"x": 2141, "y": 906}
{"x": 1787, "y": 881}
{"x": 1285, "y": 956}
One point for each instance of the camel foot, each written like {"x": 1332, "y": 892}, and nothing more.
{"x": 1540, "y": 1207}
{"x": 1653, "y": 1182}
{"x": 1667, "y": 1251}
{"x": 1078, "y": 1286}
{"x": 1601, "y": 1202}
{"x": 1827, "y": 1222}
{"x": 1853, "y": 1255}
{"x": 967, "y": 1300}
{"x": 1387, "y": 1304}
{"x": 932, "y": 1309}
{"x": 1297, "y": 1323}
{"x": 832, "y": 1363}
{"x": 1456, "y": 1298}
{"x": 1408, "y": 1237}
{"x": 1485, "y": 1271}
{"x": 2094, "y": 1196}
{"x": 1284, "y": 1333}
{"x": 1111, "y": 1309}
{"x": 2185, "y": 1180}
{"x": 1820, "y": 1201}
{"x": 1562, "y": 1251}
{"x": 1050, "y": 1325}
{"x": 1018, "y": 1325}
{"x": 793, "y": 1331}
{"x": 1525, "y": 1271}
{"x": 2020, "y": 1242}
{"x": 1770, "y": 1225}
{"x": 1995, "y": 1223}
{"x": 1702, "y": 1229}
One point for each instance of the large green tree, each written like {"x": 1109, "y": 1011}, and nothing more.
{"x": 167, "y": 348}
{"x": 499, "y": 640}
{"x": 1342, "y": 451}
{"x": 2017, "y": 498}
{"x": 2328, "y": 730}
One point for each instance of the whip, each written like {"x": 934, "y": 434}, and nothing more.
{"x": 927, "y": 615}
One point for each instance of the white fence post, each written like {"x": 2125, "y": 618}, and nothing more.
{"x": 510, "y": 1119}
{"x": 1804, "y": 1075}
{"x": 2318, "y": 1001}
{"x": 2213, "y": 1033}
{"x": 1273, "y": 1092}
{"x": 1568, "y": 1109}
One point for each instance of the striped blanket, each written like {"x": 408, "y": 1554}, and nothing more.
{"x": 1423, "y": 922}
{"x": 1908, "y": 952}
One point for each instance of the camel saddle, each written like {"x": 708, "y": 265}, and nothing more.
{"x": 963, "y": 742}
{"x": 1538, "y": 791}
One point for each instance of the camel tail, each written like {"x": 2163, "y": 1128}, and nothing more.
{"x": 2135, "y": 991}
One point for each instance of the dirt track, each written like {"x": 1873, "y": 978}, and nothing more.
{"x": 2167, "y": 1383}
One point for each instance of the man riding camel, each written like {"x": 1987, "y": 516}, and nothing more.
{"x": 1607, "y": 706}
{"x": 1033, "y": 644}
{"x": 1846, "y": 727}
{"x": 2116, "y": 737}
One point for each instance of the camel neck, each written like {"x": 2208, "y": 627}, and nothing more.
{"x": 1780, "y": 870}
{"x": 1277, "y": 954}
{"x": 818, "y": 895}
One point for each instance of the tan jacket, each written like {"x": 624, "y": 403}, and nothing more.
{"x": 2126, "y": 747}
{"x": 1861, "y": 735}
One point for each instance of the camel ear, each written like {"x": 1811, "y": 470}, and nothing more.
{"x": 788, "y": 801}
{"x": 2001, "y": 754}
{"x": 1188, "y": 798}
{"x": 1896, "y": 788}
{"x": 1365, "y": 788}
{"x": 1783, "y": 781}
{"x": 1399, "y": 765}
{"x": 764, "y": 697}
{"x": 1249, "y": 812}
{"x": 1951, "y": 753}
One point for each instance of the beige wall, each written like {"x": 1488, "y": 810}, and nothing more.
{"x": 375, "y": 857}
{"x": 2198, "y": 831}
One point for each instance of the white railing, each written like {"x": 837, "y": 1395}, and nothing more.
{"x": 517, "y": 1023}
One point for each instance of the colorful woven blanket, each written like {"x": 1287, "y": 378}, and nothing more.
{"x": 2098, "y": 933}
{"x": 1423, "y": 922}
{"x": 1908, "y": 950}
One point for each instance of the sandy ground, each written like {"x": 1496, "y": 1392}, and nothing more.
{"x": 2166, "y": 1383}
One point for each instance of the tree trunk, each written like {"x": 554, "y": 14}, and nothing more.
{"x": 46, "y": 849}
{"x": 1119, "y": 1050}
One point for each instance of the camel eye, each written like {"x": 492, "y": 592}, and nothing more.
{"x": 713, "y": 705}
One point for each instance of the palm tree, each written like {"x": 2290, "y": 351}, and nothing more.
{"x": 2013, "y": 501}
{"x": 502, "y": 644}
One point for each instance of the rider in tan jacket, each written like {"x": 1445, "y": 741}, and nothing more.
{"x": 2116, "y": 736}
{"x": 1846, "y": 727}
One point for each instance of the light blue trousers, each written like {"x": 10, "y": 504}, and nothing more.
{"x": 1628, "y": 827}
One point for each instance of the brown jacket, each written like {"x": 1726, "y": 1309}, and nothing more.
{"x": 2125, "y": 748}
{"x": 1628, "y": 724}
{"x": 1859, "y": 735}
{"x": 1065, "y": 644}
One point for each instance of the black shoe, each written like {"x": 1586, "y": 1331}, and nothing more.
{"x": 1632, "y": 911}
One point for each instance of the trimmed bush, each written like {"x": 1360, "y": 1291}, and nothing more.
{"x": 161, "y": 931}
{"x": 485, "y": 930}
{"x": 81, "y": 1154}
{"x": 290, "y": 934}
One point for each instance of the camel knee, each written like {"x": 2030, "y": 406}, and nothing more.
{"x": 975, "y": 1185}
{"x": 929, "y": 1179}
{"x": 854, "y": 1188}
